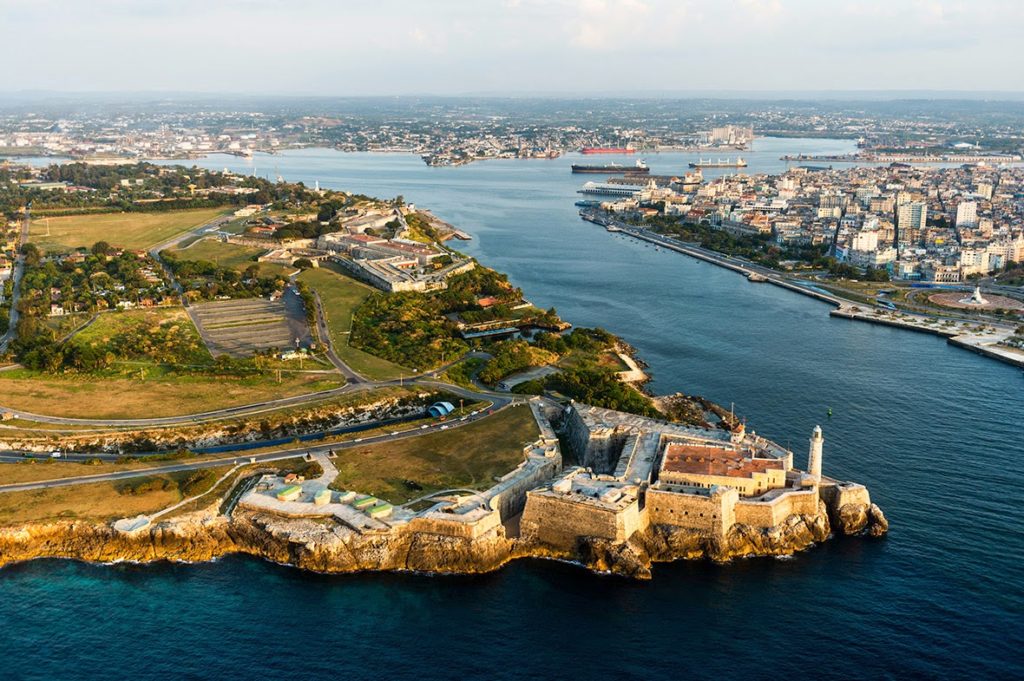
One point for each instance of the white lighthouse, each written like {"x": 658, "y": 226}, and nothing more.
{"x": 814, "y": 457}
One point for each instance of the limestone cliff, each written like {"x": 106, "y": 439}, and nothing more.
{"x": 304, "y": 543}
{"x": 323, "y": 546}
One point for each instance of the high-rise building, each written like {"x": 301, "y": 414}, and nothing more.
{"x": 911, "y": 218}
{"x": 984, "y": 190}
{"x": 966, "y": 215}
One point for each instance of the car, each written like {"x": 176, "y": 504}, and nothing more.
{"x": 358, "y": 439}
{"x": 474, "y": 413}
{"x": 55, "y": 455}
{"x": 424, "y": 426}
{"x": 444, "y": 427}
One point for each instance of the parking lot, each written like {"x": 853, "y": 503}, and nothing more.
{"x": 241, "y": 327}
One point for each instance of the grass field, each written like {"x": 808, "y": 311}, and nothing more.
{"x": 125, "y": 230}
{"x": 84, "y": 396}
{"x": 34, "y": 470}
{"x": 469, "y": 456}
{"x": 220, "y": 253}
{"x": 341, "y": 295}
{"x": 100, "y": 501}
{"x": 174, "y": 337}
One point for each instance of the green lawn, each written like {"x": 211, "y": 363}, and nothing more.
{"x": 220, "y": 253}
{"x": 341, "y": 295}
{"x": 469, "y": 456}
{"x": 125, "y": 230}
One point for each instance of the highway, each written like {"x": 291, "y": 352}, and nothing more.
{"x": 279, "y": 455}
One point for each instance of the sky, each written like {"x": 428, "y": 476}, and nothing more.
{"x": 453, "y": 47}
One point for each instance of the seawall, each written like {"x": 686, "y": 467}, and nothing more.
{"x": 841, "y": 304}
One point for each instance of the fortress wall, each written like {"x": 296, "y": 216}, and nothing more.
{"x": 596, "y": 448}
{"x": 838, "y": 494}
{"x": 771, "y": 513}
{"x": 455, "y": 526}
{"x": 509, "y": 496}
{"x": 631, "y": 519}
{"x": 558, "y": 521}
{"x": 712, "y": 514}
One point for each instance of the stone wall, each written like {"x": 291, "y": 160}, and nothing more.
{"x": 595, "y": 448}
{"x": 560, "y": 521}
{"x": 508, "y": 497}
{"x": 764, "y": 514}
{"x": 713, "y": 513}
{"x": 456, "y": 526}
{"x": 838, "y": 494}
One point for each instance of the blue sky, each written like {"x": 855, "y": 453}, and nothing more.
{"x": 363, "y": 47}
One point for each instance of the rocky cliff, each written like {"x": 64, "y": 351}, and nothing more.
{"x": 322, "y": 546}
{"x": 304, "y": 543}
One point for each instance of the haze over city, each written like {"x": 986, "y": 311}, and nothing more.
{"x": 450, "y": 47}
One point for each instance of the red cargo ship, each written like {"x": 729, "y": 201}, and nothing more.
{"x": 607, "y": 150}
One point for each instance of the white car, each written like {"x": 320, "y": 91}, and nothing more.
{"x": 55, "y": 455}
{"x": 444, "y": 427}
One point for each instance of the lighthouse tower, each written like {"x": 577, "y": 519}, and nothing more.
{"x": 814, "y": 458}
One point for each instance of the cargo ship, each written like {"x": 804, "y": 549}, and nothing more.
{"x": 607, "y": 150}
{"x": 611, "y": 168}
{"x": 701, "y": 163}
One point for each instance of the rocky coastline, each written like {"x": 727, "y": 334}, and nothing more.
{"x": 308, "y": 544}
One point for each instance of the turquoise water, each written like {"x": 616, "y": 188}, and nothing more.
{"x": 934, "y": 432}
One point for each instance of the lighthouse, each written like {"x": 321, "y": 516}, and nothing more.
{"x": 814, "y": 457}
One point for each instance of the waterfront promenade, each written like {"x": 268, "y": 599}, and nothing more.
{"x": 968, "y": 334}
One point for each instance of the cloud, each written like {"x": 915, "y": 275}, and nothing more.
{"x": 452, "y": 46}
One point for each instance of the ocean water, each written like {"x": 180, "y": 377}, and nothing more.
{"x": 934, "y": 431}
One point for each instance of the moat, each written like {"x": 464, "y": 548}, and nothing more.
{"x": 901, "y": 402}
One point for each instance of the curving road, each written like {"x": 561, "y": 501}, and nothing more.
{"x": 278, "y": 455}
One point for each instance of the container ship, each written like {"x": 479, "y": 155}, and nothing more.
{"x": 607, "y": 150}
{"x": 611, "y": 168}
{"x": 701, "y": 163}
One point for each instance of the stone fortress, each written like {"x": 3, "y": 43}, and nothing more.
{"x": 639, "y": 475}
{"x": 643, "y": 491}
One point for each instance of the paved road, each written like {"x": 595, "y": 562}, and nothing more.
{"x": 325, "y": 337}
{"x": 154, "y": 252}
{"x": 254, "y": 458}
{"x": 16, "y": 274}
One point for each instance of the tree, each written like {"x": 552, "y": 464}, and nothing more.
{"x": 32, "y": 254}
{"x": 101, "y": 248}
{"x": 303, "y": 263}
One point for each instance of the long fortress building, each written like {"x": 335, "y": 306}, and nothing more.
{"x": 637, "y": 472}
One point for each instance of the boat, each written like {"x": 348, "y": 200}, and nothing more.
{"x": 602, "y": 189}
{"x": 720, "y": 163}
{"x": 588, "y": 203}
{"x": 639, "y": 168}
{"x": 607, "y": 150}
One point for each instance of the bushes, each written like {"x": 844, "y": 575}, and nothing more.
{"x": 601, "y": 388}
{"x": 146, "y": 485}
{"x": 511, "y": 357}
{"x": 197, "y": 482}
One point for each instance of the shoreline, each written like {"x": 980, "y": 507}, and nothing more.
{"x": 625, "y": 503}
{"x": 844, "y": 308}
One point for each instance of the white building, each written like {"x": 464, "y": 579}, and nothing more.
{"x": 966, "y": 215}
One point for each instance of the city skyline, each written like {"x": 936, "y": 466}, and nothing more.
{"x": 514, "y": 46}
